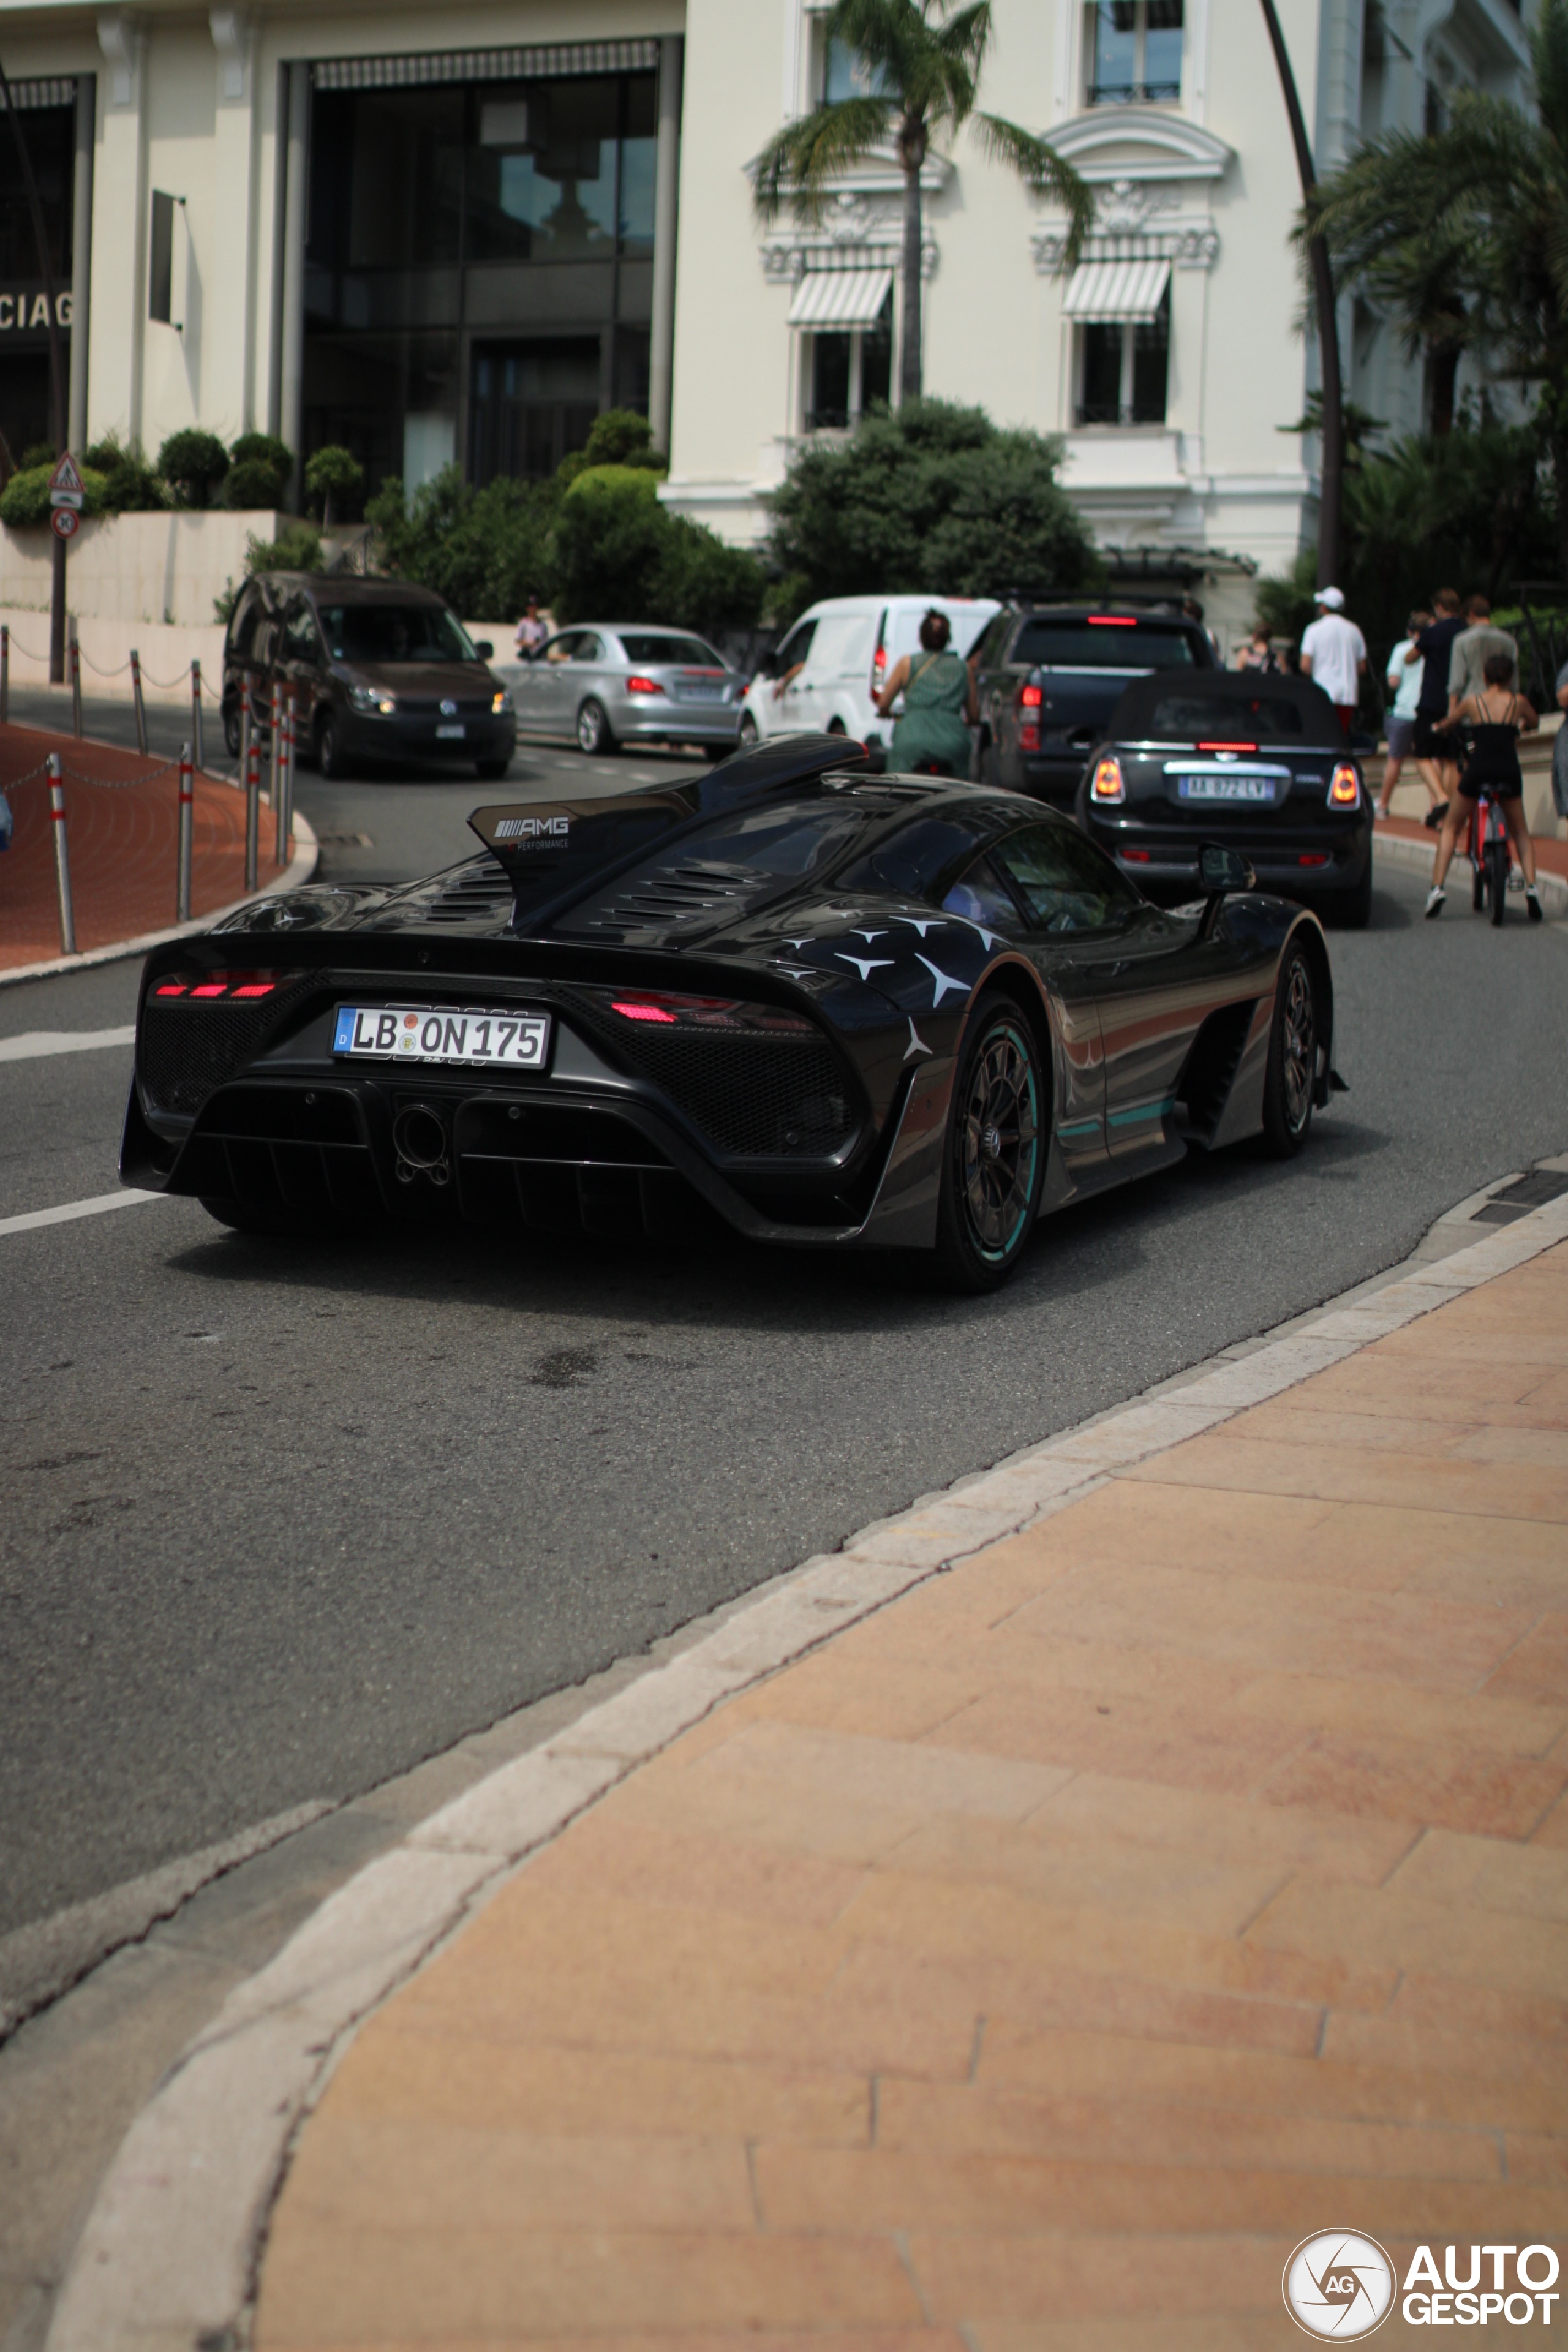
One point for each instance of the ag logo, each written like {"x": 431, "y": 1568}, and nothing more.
{"x": 1339, "y": 2285}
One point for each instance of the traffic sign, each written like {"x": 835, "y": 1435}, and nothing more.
{"x": 66, "y": 522}
{"x": 66, "y": 486}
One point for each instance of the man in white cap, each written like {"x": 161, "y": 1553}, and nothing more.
{"x": 1334, "y": 651}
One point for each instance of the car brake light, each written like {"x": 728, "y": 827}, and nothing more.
{"x": 1227, "y": 747}
{"x": 1344, "y": 792}
{"x": 632, "y": 1008}
{"x": 880, "y": 659}
{"x": 212, "y": 988}
{"x": 217, "y": 984}
{"x": 1113, "y": 621}
{"x": 1135, "y": 856}
{"x": 1314, "y": 857}
{"x": 637, "y": 685}
{"x": 1108, "y": 784}
{"x": 257, "y": 988}
{"x": 171, "y": 988}
{"x": 1030, "y": 698}
{"x": 707, "y": 1012}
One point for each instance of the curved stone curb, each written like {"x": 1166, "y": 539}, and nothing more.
{"x": 169, "y": 2252}
{"x": 298, "y": 871}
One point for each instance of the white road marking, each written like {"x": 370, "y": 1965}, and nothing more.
{"x": 35, "y": 1043}
{"x": 96, "y": 1207}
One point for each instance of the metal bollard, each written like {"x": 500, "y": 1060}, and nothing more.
{"x": 76, "y": 685}
{"x": 140, "y": 706}
{"x": 250, "y": 768}
{"x": 4, "y": 673}
{"x": 62, "y": 857}
{"x": 288, "y": 775}
{"x": 275, "y": 777}
{"x": 196, "y": 711}
{"x": 187, "y": 825}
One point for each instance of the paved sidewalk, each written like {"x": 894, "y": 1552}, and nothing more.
{"x": 121, "y": 828}
{"x": 1035, "y": 1964}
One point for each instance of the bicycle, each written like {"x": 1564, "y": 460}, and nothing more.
{"x": 1490, "y": 854}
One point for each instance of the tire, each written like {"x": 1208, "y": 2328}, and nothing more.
{"x": 750, "y": 734}
{"x": 1351, "y": 909}
{"x": 490, "y": 771}
{"x": 593, "y": 735}
{"x": 231, "y": 731}
{"x": 714, "y": 752}
{"x": 994, "y": 1156}
{"x": 1292, "y": 1058}
{"x": 1478, "y": 888}
{"x": 1497, "y": 879}
{"x": 330, "y": 749}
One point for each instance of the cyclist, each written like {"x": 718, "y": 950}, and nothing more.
{"x": 1496, "y": 717}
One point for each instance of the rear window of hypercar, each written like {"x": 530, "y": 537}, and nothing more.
{"x": 1114, "y": 643}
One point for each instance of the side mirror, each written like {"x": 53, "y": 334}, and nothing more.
{"x": 1221, "y": 869}
{"x": 485, "y": 649}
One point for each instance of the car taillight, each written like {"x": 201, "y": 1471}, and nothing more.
{"x": 1135, "y": 856}
{"x": 879, "y": 660}
{"x": 1227, "y": 747}
{"x": 1107, "y": 785}
{"x": 1029, "y": 701}
{"x": 1113, "y": 621}
{"x": 1344, "y": 790}
{"x": 210, "y": 987}
{"x": 1030, "y": 698}
{"x": 635, "y": 684}
{"x": 660, "y": 1007}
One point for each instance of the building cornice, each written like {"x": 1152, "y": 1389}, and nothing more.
{"x": 1140, "y": 142}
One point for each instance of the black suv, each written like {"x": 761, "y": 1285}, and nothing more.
{"x": 380, "y": 671}
{"x": 1050, "y": 676}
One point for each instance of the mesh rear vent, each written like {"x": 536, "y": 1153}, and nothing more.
{"x": 186, "y": 1051}
{"x": 756, "y": 1097}
{"x": 696, "y": 891}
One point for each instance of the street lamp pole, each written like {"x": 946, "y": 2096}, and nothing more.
{"x": 57, "y": 380}
{"x": 1333, "y": 432}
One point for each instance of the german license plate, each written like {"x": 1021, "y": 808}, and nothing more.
{"x": 1224, "y": 788}
{"x": 450, "y": 734}
{"x": 414, "y": 1033}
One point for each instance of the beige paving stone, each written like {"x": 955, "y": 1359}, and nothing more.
{"x": 1537, "y": 1665}
{"x": 1420, "y": 1782}
{"x": 1454, "y": 2002}
{"x": 645, "y": 1862}
{"x": 1210, "y": 2331}
{"x": 1484, "y": 1875}
{"x": 1059, "y": 2278}
{"x": 1407, "y": 1724}
{"x": 1414, "y": 1482}
{"x": 1510, "y": 1951}
{"x": 1172, "y": 1739}
{"x": 1103, "y": 1809}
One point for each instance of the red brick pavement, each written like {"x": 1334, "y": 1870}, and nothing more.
{"x": 122, "y": 831}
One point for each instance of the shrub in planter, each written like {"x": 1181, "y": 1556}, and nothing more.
{"x": 253, "y": 482}
{"x": 192, "y": 462}
{"x": 25, "y": 501}
{"x": 334, "y": 479}
{"x": 130, "y": 485}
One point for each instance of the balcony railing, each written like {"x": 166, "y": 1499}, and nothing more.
{"x": 1134, "y": 93}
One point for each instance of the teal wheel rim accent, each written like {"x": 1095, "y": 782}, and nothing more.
{"x": 999, "y": 1141}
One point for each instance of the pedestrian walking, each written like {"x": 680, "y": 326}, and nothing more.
{"x": 940, "y": 707}
{"x": 1496, "y": 717}
{"x": 1434, "y": 750}
{"x": 1404, "y": 683}
{"x": 1473, "y": 648}
{"x": 531, "y": 632}
{"x": 1333, "y": 653}
{"x": 1258, "y": 653}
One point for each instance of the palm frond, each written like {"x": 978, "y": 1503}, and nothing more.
{"x": 966, "y": 37}
{"x": 1042, "y": 170}
{"x": 798, "y": 163}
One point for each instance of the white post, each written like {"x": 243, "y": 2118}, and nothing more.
{"x": 666, "y": 190}
{"x": 292, "y": 367}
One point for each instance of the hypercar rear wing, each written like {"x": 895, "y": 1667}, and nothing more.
{"x": 551, "y": 850}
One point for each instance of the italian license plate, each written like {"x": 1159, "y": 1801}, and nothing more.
{"x": 414, "y": 1033}
{"x": 1225, "y": 788}
{"x": 450, "y": 734}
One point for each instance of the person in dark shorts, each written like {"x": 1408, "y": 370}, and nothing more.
{"x": 1434, "y": 751}
{"x": 1496, "y": 717}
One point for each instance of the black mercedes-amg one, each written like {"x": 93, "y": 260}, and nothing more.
{"x": 888, "y": 1013}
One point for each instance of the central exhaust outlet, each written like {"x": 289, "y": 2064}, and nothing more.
{"x": 419, "y": 1133}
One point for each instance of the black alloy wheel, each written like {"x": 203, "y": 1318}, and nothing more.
{"x": 593, "y": 734}
{"x": 994, "y": 1164}
{"x": 231, "y": 730}
{"x": 1497, "y": 879}
{"x": 1292, "y": 1058}
{"x": 329, "y": 749}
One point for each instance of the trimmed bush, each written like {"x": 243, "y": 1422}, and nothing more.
{"x": 254, "y": 482}
{"x": 192, "y": 462}
{"x": 334, "y": 478}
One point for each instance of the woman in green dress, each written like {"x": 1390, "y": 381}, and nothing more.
{"x": 940, "y": 707}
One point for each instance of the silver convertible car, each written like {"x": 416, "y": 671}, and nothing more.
{"x": 609, "y": 683}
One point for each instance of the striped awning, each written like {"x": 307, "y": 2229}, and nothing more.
{"x": 840, "y": 298}
{"x": 1115, "y": 292}
{"x": 546, "y": 62}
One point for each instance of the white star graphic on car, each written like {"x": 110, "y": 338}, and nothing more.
{"x": 916, "y": 925}
{"x": 970, "y": 924}
{"x": 869, "y": 936}
{"x": 944, "y": 982}
{"x": 877, "y": 963}
{"x": 917, "y": 1044}
{"x": 798, "y": 944}
{"x": 797, "y": 971}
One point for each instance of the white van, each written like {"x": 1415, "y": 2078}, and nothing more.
{"x": 844, "y": 648}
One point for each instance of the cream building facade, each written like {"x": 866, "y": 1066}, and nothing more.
{"x": 456, "y": 232}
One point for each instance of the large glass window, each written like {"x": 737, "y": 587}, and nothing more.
{"x": 25, "y": 395}
{"x": 1134, "y": 52}
{"x": 848, "y": 372}
{"x": 478, "y": 279}
{"x": 845, "y": 74}
{"x": 1124, "y": 365}
{"x": 1065, "y": 881}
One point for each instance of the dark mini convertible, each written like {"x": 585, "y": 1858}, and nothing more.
{"x": 878, "y": 1012}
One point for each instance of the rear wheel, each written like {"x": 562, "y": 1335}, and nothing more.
{"x": 1292, "y": 1058}
{"x": 593, "y": 734}
{"x": 1497, "y": 877}
{"x": 994, "y": 1163}
{"x": 231, "y": 729}
{"x": 1352, "y": 907}
{"x": 1478, "y": 888}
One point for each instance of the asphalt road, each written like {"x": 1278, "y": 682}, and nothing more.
{"x": 281, "y": 1520}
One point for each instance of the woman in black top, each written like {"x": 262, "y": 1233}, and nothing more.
{"x": 1496, "y": 718}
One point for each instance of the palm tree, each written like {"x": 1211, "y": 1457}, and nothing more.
{"x": 924, "y": 66}
{"x": 1461, "y": 236}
